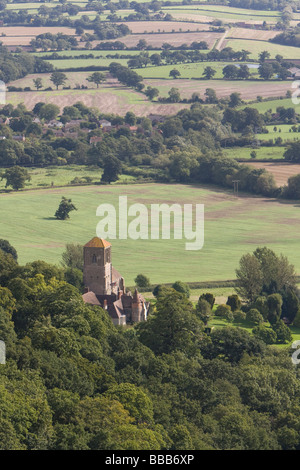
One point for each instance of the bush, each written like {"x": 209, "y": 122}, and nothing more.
{"x": 209, "y": 298}
{"x": 239, "y": 316}
{"x": 234, "y": 302}
{"x": 253, "y": 316}
{"x": 222, "y": 310}
{"x": 203, "y": 310}
{"x": 261, "y": 305}
{"x": 182, "y": 287}
{"x": 283, "y": 332}
{"x": 267, "y": 335}
{"x": 142, "y": 281}
{"x": 229, "y": 316}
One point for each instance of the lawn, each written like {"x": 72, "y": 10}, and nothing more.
{"x": 233, "y": 226}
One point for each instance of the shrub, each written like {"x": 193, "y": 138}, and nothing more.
{"x": 267, "y": 335}
{"x": 222, "y": 310}
{"x": 203, "y": 310}
{"x": 208, "y": 297}
{"x": 283, "y": 332}
{"x": 142, "y": 281}
{"x": 239, "y": 316}
{"x": 234, "y": 302}
{"x": 253, "y": 316}
{"x": 182, "y": 287}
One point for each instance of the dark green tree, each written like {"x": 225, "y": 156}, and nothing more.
{"x": 16, "y": 177}
{"x": 64, "y": 209}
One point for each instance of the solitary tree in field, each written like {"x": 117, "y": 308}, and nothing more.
{"x": 64, "y": 208}
{"x": 97, "y": 78}
{"x": 16, "y": 177}
{"x": 38, "y": 83}
{"x": 174, "y": 73}
{"x": 58, "y": 78}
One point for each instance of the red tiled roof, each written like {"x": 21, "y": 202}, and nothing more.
{"x": 97, "y": 242}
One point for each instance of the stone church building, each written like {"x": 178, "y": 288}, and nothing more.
{"x": 105, "y": 287}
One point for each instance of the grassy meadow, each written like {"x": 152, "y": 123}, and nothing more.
{"x": 256, "y": 47}
{"x": 272, "y": 153}
{"x": 233, "y": 226}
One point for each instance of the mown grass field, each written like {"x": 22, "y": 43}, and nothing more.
{"x": 283, "y": 130}
{"x": 256, "y": 47}
{"x": 272, "y": 153}
{"x": 190, "y": 70}
{"x": 272, "y": 105}
{"x": 198, "y": 12}
{"x": 63, "y": 176}
{"x": 233, "y": 226}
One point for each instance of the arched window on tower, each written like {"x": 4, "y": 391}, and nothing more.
{"x": 94, "y": 259}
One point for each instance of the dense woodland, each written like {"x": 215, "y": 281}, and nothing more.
{"x": 74, "y": 381}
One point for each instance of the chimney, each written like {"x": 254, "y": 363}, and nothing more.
{"x": 105, "y": 304}
{"x": 86, "y": 290}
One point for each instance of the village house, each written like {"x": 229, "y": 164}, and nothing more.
{"x": 95, "y": 139}
{"x": 295, "y": 72}
{"x": 55, "y": 123}
{"x": 103, "y": 123}
{"x": 105, "y": 287}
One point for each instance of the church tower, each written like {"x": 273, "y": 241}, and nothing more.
{"x": 97, "y": 268}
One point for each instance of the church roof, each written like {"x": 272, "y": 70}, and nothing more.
{"x": 90, "y": 298}
{"x": 97, "y": 242}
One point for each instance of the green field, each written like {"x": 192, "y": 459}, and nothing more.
{"x": 191, "y": 70}
{"x": 233, "y": 226}
{"x": 63, "y": 176}
{"x": 230, "y": 10}
{"x": 285, "y": 133}
{"x": 78, "y": 63}
{"x": 226, "y": 14}
{"x": 272, "y": 105}
{"x": 272, "y": 153}
{"x": 101, "y": 54}
{"x": 256, "y": 47}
